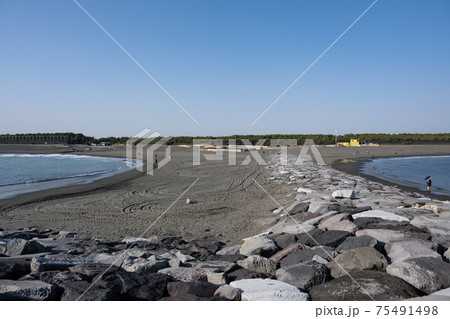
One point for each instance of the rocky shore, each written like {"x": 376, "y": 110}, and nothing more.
{"x": 342, "y": 237}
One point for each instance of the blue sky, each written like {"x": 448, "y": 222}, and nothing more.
{"x": 225, "y": 62}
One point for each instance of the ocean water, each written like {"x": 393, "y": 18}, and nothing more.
{"x": 411, "y": 171}
{"x": 24, "y": 173}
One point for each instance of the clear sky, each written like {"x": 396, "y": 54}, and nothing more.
{"x": 224, "y": 61}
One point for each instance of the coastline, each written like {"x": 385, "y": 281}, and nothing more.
{"x": 121, "y": 205}
{"x": 354, "y": 167}
{"x": 325, "y": 222}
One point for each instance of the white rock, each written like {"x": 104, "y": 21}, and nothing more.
{"x": 344, "y": 193}
{"x": 268, "y": 290}
{"x": 191, "y": 201}
{"x": 320, "y": 259}
{"x": 381, "y": 214}
{"x": 442, "y": 292}
{"x": 151, "y": 265}
{"x": 304, "y": 190}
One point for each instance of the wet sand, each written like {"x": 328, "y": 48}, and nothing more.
{"x": 230, "y": 206}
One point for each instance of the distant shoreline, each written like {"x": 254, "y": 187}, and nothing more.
{"x": 355, "y": 168}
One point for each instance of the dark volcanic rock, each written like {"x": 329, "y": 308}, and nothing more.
{"x": 39, "y": 264}
{"x": 14, "y": 270}
{"x": 84, "y": 291}
{"x": 92, "y": 269}
{"x": 200, "y": 289}
{"x": 19, "y": 266}
{"x": 352, "y": 210}
{"x": 55, "y": 277}
{"x": 204, "y": 246}
{"x": 246, "y": 274}
{"x": 135, "y": 286}
{"x": 190, "y": 297}
{"x": 18, "y": 246}
{"x": 230, "y": 258}
{"x": 307, "y": 255}
{"x": 369, "y": 285}
{"x": 304, "y": 276}
{"x": 378, "y": 223}
{"x": 285, "y": 240}
{"x": 23, "y": 234}
{"x": 317, "y": 237}
{"x": 360, "y": 241}
{"x": 299, "y": 208}
{"x": 27, "y": 290}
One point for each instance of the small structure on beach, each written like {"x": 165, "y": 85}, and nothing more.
{"x": 353, "y": 142}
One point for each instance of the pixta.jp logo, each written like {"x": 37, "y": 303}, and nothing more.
{"x": 142, "y": 147}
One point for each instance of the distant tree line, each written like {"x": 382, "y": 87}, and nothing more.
{"x": 319, "y": 139}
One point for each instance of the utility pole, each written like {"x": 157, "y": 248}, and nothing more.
{"x": 335, "y": 139}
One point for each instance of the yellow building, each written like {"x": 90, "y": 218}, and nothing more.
{"x": 353, "y": 142}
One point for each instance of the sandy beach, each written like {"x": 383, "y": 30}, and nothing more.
{"x": 229, "y": 205}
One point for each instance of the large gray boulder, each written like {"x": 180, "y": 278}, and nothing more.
{"x": 427, "y": 274}
{"x": 285, "y": 240}
{"x": 333, "y": 220}
{"x": 345, "y": 225}
{"x": 359, "y": 241}
{"x": 382, "y": 235}
{"x": 39, "y": 264}
{"x": 364, "y": 258}
{"x": 200, "y": 289}
{"x": 268, "y": 290}
{"x": 307, "y": 255}
{"x": 85, "y": 291}
{"x": 364, "y": 286}
{"x": 381, "y": 214}
{"x": 152, "y": 264}
{"x": 304, "y": 276}
{"x": 317, "y": 237}
{"x": 439, "y": 227}
{"x": 27, "y": 290}
{"x": 411, "y": 248}
{"x": 228, "y": 292}
{"x": 258, "y": 264}
{"x": 298, "y": 208}
{"x": 258, "y": 246}
{"x": 18, "y": 246}
{"x": 222, "y": 265}
{"x": 188, "y": 274}
{"x": 229, "y": 250}
{"x": 319, "y": 219}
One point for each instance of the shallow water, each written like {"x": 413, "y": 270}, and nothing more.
{"x": 24, "y": 173}
{"x": 411, "y": 171}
